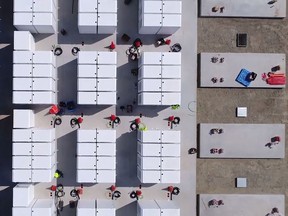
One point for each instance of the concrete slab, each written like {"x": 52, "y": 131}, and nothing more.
{"x": 244, "y": 8}
{"x": 233, "y": 63}
{"x": 242, "y": 141}
{"x": 241, "y": 204}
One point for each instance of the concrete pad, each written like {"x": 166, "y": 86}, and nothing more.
{"x": 242, "y": 140}
{"x": 233, "y": 63}
{"x": 241, "y": 204}
{"x": 244, "y": 8}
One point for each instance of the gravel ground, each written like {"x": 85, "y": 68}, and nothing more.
{"x": 266, "y": 176}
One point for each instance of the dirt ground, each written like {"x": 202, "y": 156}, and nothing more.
{"x": 264, "y": 176}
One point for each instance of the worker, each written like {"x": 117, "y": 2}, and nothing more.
{"x": 58, "y": 174}
{"x": 137, "y": 43}
{"x": 112, "y": 46}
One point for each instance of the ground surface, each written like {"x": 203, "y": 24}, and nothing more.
{"x": 264, "y": 106}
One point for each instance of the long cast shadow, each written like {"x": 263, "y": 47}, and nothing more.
{"x": 127, "y": 210}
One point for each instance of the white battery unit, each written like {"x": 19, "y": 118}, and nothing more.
{"x": 43, "y": 135}
{"x": 96, "y": 71}
{"x": 43, "y": 175}
{"x": 150, "y": 58}
{"x": 170, "y": 163}
{"x": 86, "y": 149}
{"x": 87, "y": 57}
{"x": 172, "y": 7}
{"x": 149, "y": 98}
{"x": 21, "y": 148}
{"x": 44, "y": 207}
{"x": 44, "y": 70}
{"x": 149, "y": 176}
{"x": 43, "y": 149}
{"x": 22, "y": 211}
{"x": 23, "y": 40}
{"x": 171, "y": 85}
{"x": 150, "y": 72}
{"x": 149, "y": 85}
{"x": 149, "y": 149}
{"x": 170, "y": 24}
{"x": 22, "y": 70}
{"x": 106, "y": 58}
{"x": 107, "y": 71}
{"x": 105, "y": 208}
{"x": 43, "y": 84}
{"x": 43, "y": 97}
{"x": 106, "y": 136}
{"x": 149, "y": 163}
{"x": 106, "y": 149}
{"x": 87, "y": 71}
{"x": 148, "y": 207}
{"x": 106, "y": 98}
{"x": 149, "y": 136}
{"x": 21, "y": 175}
{"x": 170, "y": 176}
{"x": 86, "y": 207}
{"x": 151, "y": 7}
{"x": 171, "y": 71}
{"x": 21, "y": 162}
{"x": 168, "y": 208}
{"x": 44, "y": 6}
{"x": 106, "y": 176}
{"x": 23, "y": 6}
{"x": 107, "y": 6}
{"x": 150, "y": 23}
{"x": 86, "y": 176}
{"x": 171, "y": 58}
{"x": 22, "y": 84}
{"x": 22, "y": 57}
{"x": 87, "y": 84}
{"x": 23, "y": 118}
{"x": 87, "y": 98}
{"x": 43, "y": 162}
{"x": 86, "y": 162}
{"x": 107, "y": 23}
{"x": 170, "y": 150}
{"x": 44, "y": 23}
{"x": 87, "y": 6}
{"x": 23, "y": 194}
{"x": 106, "y": 163}
{"x": 22, "y": 135}
{"x": 106, "y": 85}
{"x": 86, "y": 135}
{"x": 23, "y": 21}
{"x": 44, "y": 57}
{"x": 87, "y": 23}
{"x": 170, "y": 98}
{"x": 171, "y": 136}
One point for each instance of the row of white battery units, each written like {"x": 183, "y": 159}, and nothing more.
{"x": 97, "y": 71}
{"x": 36, "y": 16}
{"x": 100, "y": 6}
{"x": 159, "y": 98}
{"x": 33, "y": 84}
{"x": 96, "y": 176}
{"x": 158, "y": 176}
{"x": 97, "y": 58}
{"x": 96, "y": 84}
{"x": 159, "y": 85}
{"x": 34, "y": 70}
{"x": 34, "y": 97}
{"x": 157, "y": 208}
{"x": 158, "y": 149}
{"x": 160, "y": 58}
{"x": 159, "y": 136}
{"x": 159, "y": 72}
{"x": 34, "y": 162}
{"x": 95, "y": 208}
{"x": 96, "y": 98}
{"x": 93, "y": 149}
{"x": 158, "y": 163}
{"x": 160, "y": 6}
{"x": 38, "y": 207}
{"x": 96, "y": 135}
{"x": 34, "y": 57}
{"x": 33, "y": 135}
{"x": 33, "y": 175}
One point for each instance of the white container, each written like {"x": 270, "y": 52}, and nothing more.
{"x": 171, "y": 98}
{"x": 107, "y": 23}
{"x": 21, "y": 162}
{"x": 87, "y": 98}
{"x": 86, "y": 207}
{"x": 87, "y": 23}
{"x": 44, "y": 23}
{"x": 170, "y": 24}
{"x": 149, "y": 163}
{"x": 22, "y": 70}
{"x": 171, "y": 85}
{"x": 106, "y": 85}
{"x": 152, "y": 7}
{"x": 168, "y": 208}
{"x": 107, "y": 71}
{"x": 149, "y": 71}
{"x": 44, "y": 149}
{"x": 106, "y": 58}
{"x": 87, "y": 57}
{"x": 87, "y": 71}
{"x": 86, "y": 84}
{"x": 43, "y": 97}
{"x": 107, "y": 6}
{"x": 23, "y": 40}
{"x": 43, "y": 84}
{"x": 172, "y": 7}
{"x": 44, "y": 6}
{"x": 145, "y": 149}
{"x": 22, "y": 135}
{"x": 24, "y": 118}
{"x": 171, "y": 58}
{"x": 170, "y": 176}
{"x": 22, "y": 84}
{"x": 106, "y": 176}
{"x": 21, "y": 149}
{"x": 86, "y": 176}
{"x": 170, "y": 150}
{"x": 44, "y": 57}
{"x": 86, "y": 149}
{"x": 171, "y": 136}
{"x": 22, "y": 6}
{"x": 106, "y": 163}
{"x": 87, "y": 6}
{"x": 43, "y": 135}
{"x": 44, "y": 70}
{"x": 150, "y": 23}
{"x": 43, "y": 175}
{"x": 150, "y": 136}
{"x": 24, "y": 22}
{"x": 170, "y": 163}
{"x": 106, "y": 149}
{"x": 106, "y": 136}
{"x": 22, "y": 211}
{"x": 150, "y": 58}
{"x": 106, "y": 98}
{"x": 149, "y": 85}
{"x": 149, "y": 176}
{"x": 23, "y": 194}
{"x": 43, "y": 162}
{"x": 105, "y": 208}
{"x": 171, "y": 71}
{"x": 21, "y": 175}
{"x": 147, "y": 207}
{"x": 149, "y": 98}
{"x": 43, "y": 207}
{"x": 86, "y": 162}
{"x": 24, "y": 57}
{"x": 86, "y": 135}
